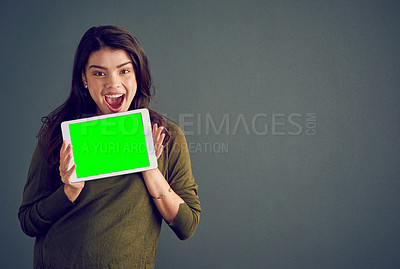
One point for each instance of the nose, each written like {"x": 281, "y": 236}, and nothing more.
{"x": 113, "y": 81}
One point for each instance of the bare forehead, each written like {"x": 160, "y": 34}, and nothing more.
{"x": 108, "y": 58}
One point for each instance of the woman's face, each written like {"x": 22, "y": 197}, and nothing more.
{"x": 111, "y": 80}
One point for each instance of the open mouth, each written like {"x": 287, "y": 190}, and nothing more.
{"x": 115, "y": 101}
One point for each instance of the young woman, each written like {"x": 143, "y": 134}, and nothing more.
{"x": 113, "y": 222}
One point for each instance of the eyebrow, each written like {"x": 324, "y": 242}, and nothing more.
{"x": 104, "y": 68}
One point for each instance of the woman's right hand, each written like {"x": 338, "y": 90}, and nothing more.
{"x": 71, "y": 189}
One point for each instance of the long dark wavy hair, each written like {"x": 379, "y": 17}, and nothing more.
{"x": 80, "y": 104}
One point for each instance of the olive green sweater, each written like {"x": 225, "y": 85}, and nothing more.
{"x": 114, "y": 222}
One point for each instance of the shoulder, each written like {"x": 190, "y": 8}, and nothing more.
{"x": 177, "y": 142}
{"x": 174, "y": 130}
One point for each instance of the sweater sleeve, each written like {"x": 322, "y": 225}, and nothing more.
{"x": 43, "y": 202}
{"x": 182, "y": 182}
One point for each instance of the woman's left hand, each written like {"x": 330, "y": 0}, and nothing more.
{"x": 158, "y": 138}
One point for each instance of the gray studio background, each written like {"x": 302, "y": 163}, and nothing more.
{"x": 290, "y": 109}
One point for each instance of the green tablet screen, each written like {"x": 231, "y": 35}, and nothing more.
{"x": 108, "y": 145}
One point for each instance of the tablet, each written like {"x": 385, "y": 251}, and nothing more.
{"x": 110, "y": 145}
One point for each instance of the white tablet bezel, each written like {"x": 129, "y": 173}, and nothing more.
{"x": 147, "y": 134}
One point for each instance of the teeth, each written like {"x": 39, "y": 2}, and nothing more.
{"x": 114, "y": 95}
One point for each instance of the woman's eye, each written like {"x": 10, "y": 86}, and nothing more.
{"x": 99, "y": 74}
{"x": 125, "y": 71}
